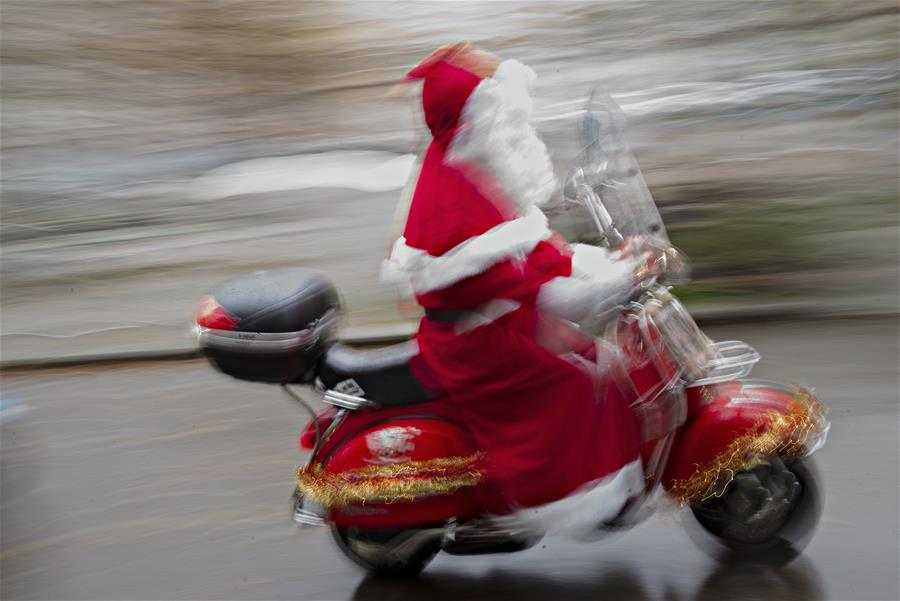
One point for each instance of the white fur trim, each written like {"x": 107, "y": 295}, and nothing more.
{"x": 597, "y": 285}
{"x": 495, "y": 134}
{"x": 513, "y": 239}
{"x": 583, "y": 511}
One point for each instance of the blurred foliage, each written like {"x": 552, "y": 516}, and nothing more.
{"x": 704, "y": 292}
{"x": 742, "y": 237}
{"x": 758, "y": 251}
{"x": 776, "y": 235}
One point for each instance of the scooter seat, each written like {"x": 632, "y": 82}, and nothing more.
{"x": 382, "y": 376}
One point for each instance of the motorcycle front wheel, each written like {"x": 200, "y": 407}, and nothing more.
{"x": 767, "y": 512}
{"x": 389, "y": 552}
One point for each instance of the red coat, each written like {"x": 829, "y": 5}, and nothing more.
{"x": 519, "y": 380}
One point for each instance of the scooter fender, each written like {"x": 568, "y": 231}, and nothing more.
{"x": 735, "y": 423}
{"x": 403, "y": 472}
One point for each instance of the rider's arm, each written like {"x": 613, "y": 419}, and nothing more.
{"x": 511, "y": 279}
{"x": 598, "y": 283}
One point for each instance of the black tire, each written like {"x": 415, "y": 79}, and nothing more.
{"x": 769, "y": 512}
{"x": 376, "y": 550}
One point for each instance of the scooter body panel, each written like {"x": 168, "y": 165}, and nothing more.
{"x": 425, "y": 466}
{"x": 723, "y": 416}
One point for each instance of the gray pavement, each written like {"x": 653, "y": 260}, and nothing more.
{"x": 170, "y": 481}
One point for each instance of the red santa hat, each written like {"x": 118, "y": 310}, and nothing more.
{"x": 475, "y": 202}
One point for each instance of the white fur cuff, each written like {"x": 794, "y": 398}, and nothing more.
{"x": 597, "y": 284}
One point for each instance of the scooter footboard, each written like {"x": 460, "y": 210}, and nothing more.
{"x": 402, "y": 472}
{"x": 735, "y": 424}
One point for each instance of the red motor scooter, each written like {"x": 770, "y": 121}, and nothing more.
{"x": 396, "y": 478}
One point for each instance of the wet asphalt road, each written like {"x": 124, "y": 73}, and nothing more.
{"x": 170, "y": 481}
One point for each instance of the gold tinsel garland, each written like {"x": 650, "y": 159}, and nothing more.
{"x": 776, "y": 433}
{"x": 391, "y": 483}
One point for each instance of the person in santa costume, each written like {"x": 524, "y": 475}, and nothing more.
{"x": 501, "y": 292}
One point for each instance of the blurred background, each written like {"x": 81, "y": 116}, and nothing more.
{"x": 154, "y": 147}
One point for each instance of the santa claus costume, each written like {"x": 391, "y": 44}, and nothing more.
{"x": 560, "y": 440}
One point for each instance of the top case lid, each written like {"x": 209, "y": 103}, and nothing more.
{"x": 277, "y": 300}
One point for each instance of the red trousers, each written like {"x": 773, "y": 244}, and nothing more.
{"x": 547, "y": 422}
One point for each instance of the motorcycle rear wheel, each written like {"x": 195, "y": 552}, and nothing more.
{"x": 388, "y": 552}
{"x": 768, "y": 512}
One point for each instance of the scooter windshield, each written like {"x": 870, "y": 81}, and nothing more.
{"x": 610, "y": 168}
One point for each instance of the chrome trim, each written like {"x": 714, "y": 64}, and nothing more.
{"x": 346, "y": 401}
{"x": 652, "y": 311}
{"x": 253, "y": 342}
{"x": 304, "y": 517}
{"x": 306, "y": 512}
{"x": 701, "y": 361}
{"x": 265, "y": 343}
{"x": 339, "y": 418}
{"x": 750, "y": 384}
{"x": 733, "y": 360}
{"x": 761, "y": 383}
{"x": 682, "y": 336}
